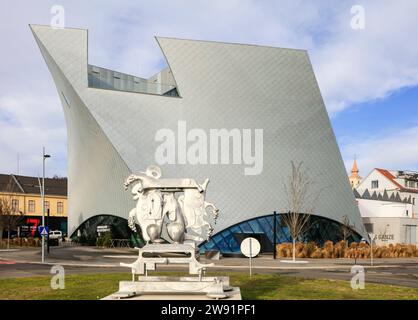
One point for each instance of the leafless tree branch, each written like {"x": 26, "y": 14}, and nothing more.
{"x": 302, "y": 197}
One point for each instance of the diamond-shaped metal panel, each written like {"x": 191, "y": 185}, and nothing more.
{"x": 221, "y": 85}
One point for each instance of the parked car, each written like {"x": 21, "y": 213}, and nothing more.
{"x": 55, "y": 234}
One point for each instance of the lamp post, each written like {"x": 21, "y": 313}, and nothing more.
{"x": 274, "y": 235}
{"x": 372, "y": 238}
{"x": 44, "y": 157}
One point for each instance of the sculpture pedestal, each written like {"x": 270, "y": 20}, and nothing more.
{"x": 153, "y": 254}
{"x": 153, "y": 286}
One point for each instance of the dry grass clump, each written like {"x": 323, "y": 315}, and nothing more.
{"x": 341, "y": 250}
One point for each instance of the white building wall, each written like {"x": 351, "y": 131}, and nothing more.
{"x": 384, "y": 183}
{"x": 414, "y": 199}
{"x": 376, "y": 208}
{"x": 392, "y": 230}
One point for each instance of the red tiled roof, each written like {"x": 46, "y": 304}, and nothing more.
{"x": 392, "y": 178}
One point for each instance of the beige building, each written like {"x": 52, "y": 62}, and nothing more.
{"x": 23, "y": 195}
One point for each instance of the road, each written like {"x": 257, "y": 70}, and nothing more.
{"x": 25, "y": 263}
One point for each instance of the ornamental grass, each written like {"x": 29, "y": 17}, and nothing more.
{"x": 341, "y": 249}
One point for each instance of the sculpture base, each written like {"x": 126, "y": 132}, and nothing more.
{"x": 157, "y": 287}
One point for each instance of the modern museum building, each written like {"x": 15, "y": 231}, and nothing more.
{"x": 235, "y": 113}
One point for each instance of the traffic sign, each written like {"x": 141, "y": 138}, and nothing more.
{"x": 43, "y": 231}
{"x": 250, "y": 247}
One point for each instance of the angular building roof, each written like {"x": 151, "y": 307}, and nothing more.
{"x": 111, "y": 132}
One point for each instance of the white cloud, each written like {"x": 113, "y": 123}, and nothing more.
{"x": 355, "y": 66}
{"x": 396, "y": 150}
{"x": 351, "y": 66}
{"x": 26, "y": 124}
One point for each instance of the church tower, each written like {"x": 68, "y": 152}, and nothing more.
{"x": 354, "y": 179}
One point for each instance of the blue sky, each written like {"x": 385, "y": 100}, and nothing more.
{"x": 368, "y": 77}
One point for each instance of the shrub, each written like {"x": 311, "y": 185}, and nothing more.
{"x": 89, "y": 240}
{"x": 104, "y": 240}
{"x": 317, "y": 253}
{"x": 328, "y": 250}
{"x": 311, "y": 247}
{"x": 341, "y": 250}
{"x": 284, "y": 250}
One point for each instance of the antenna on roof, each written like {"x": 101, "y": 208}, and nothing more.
{"x": 18, "y": 164}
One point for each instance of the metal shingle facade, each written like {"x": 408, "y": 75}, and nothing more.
{"x": 221, "y": 85}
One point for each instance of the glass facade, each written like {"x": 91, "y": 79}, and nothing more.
{"x": 228, "y": 241}
{"x": 119, "y": 229}
{"x": 102, "y": 78}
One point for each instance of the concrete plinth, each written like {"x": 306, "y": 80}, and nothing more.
{"x": 207, "y": 287}
{"x": 233, "y": 294}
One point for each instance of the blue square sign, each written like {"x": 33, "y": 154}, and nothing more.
{"x": 43, "y": 231}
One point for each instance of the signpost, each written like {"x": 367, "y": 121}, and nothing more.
{"x": 250, "y": 247}
{"x": 44, "y": 157}
{"x": 372, "y": 237}
{"x": 47, "y": 224}
{"x": 43, "y": 231}
{"x": 274, "y": 235}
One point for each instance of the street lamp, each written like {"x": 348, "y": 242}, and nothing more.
{"x": 372, "y": 237}
{"x": 44, "y": 157}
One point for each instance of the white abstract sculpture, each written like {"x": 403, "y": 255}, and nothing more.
{"x": 183, "y": 217}
{"x": 157, "y": 202}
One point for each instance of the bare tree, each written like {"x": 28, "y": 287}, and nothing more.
{"x": 301, "y": 199}
{"x": 10, "y": 219}
{"x": 346, "y": 228}
{"x": 1, "y": 221}
{"x": 10, "y": 216}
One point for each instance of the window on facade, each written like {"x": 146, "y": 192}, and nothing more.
{"x": 375, "y": 184}
{"x": 15, "y": 205}
{"x": 411, "y": 184}
{"x": 60, "y": 207}
{"x": 368, "y": 227}
{"x": 410, "y": 234}
{"x": 31, "y": 206}
{"x": 406, "y": 212}
{"x": 47, "y": 207}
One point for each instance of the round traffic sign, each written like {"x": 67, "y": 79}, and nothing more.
{"x": 250, "y": 247}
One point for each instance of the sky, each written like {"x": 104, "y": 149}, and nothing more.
{"x": 367, "y": 69}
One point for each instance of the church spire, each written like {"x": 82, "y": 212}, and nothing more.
{"x": 354, "y": 170}
{"x": 354, "y": 179}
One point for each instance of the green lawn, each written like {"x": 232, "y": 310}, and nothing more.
{"x": 96, "y": 286}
